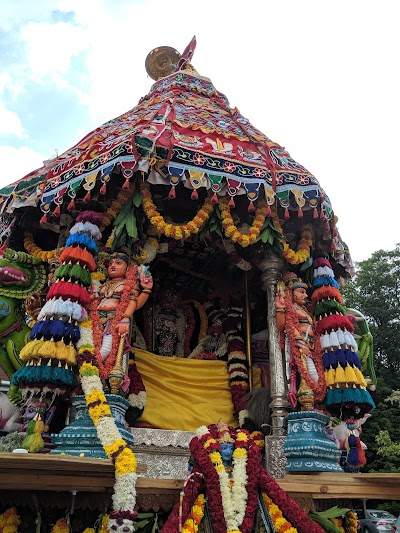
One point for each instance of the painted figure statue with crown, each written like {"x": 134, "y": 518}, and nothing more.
{"x": 228, "y": 491}
{"x": 296, "y": 321}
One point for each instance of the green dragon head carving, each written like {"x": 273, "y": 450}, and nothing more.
{"x": 20, "y": 274}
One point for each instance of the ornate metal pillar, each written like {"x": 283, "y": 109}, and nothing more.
{"x": 271, "y": 268}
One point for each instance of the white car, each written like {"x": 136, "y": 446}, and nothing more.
{"x": 396, "y": 526}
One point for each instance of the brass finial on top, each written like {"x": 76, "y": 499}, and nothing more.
{"x": 161, "y": 62}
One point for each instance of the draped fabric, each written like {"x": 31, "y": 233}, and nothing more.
{"x": 184, "y": 393}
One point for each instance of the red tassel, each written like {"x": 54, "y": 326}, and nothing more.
{"x": 57, "y": 211}
{"x": 103, "y": 189}
{"x": 335, "y": 232}
{"x": 172, "y": 193}
{"x": 86, "y": 199}
{"x": 71, "y": 205}
{"x": 333, "y": 246}
{"x": 43, "y": 220}
{"x": 327, "y": 226}
{"x": 287, "y": 215}
{"x": 268, "y": 211}
{"x": 315, "y": 213}
{"x": 361, "y": 455}
{"x": 322, "y": 215}
{"x": 231, "y": 202}
{"x": 126, "y": 184}
{"x": 300, "y": 213}
{"x": 73, "y": 291}
{"x": 194, "y": 195}
{"x": 251, "y": 207}
{"x": 214, "y": 199}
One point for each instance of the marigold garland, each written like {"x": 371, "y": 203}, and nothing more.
{"x": 304, "y": 247}
{"x": 116, "y": 206}
{"x": 9, "y": 521}
{"x": 175, "y": 231}
{"x": 232, "y": 231}
{"x": 196, "y": 514}
{"x": 36, "y": 251}
{"x": 61, "y": 526}
{"x": 281, "y": 525}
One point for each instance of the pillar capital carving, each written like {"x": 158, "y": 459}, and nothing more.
{"x": 271, "y": 268}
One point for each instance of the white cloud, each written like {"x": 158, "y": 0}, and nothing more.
{"x": 17, "y": 162}
{"x": 10, "y": 123}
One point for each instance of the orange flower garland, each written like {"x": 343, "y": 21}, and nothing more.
{"x": 175, "y": 231}
{"x": 281, "y": 525}
{"x": 37, "y": 252}
{"x": 9, "y": 521}
{"x": 196, "y": 514}
{"x": 304, "y": 248}
{"x": 232, "y": 231}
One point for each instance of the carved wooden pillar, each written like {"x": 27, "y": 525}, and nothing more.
{"x": 271, "y": 268}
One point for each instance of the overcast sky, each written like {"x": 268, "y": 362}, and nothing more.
{"x": 319, "y": 77}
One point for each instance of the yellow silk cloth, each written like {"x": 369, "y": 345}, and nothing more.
{"x": 184, "y": 393}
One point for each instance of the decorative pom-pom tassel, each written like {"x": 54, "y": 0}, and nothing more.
{"x": 300, "y": 213}
{"x": 33, "y": 441}
{"x": 86, "y": 198}
{"x": 268, "y": 211}
{"x": 71, "y": 205}
{"x": 340, "y": 376}
{"x": 330, "y": 377}
{"x": 43, "y": 220}
{"x": 361, "y": 455}
{"x": 287, "y": 214}
{"x": 251, "y": 207}
{"x": 126, "y": 184}
{"x": 231, "y": 202}
{"x": 172, "y": 193}
{"x": 322, "y": 215}
{"x": 57, "y": 211}
{"x": 350, "y": 375}
{"x": 333, "y": 246}
{"x": 103, "y": 189}
{"x": 194, "y": 195}
{"x": 360, "y": 380}
{"x": 214, "y": 199}
{"x": 352, "y": 454}
{"x": 327, "y": 226}
{"x": 315, "y": 213}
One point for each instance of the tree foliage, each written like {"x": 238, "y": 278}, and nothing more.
{"x": 375, "y": 291}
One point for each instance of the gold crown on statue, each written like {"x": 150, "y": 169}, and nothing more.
{"x": 224, "y": 434}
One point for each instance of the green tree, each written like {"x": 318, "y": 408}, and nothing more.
{"x": 375, "y": 291}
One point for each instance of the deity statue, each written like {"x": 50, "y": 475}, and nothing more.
{"x": 127, "y": 290}
{"x": 305, "y": 360}
{"x": 228, "y": 490}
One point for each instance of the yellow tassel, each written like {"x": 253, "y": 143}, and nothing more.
{"x": 48, "y": 349}
{"x": 30, "y": 350}
{"x": 340, "y": 376}
{"x": 360, "y": 380}
{"x": 65, "y": 352}
{"x": 330, "y": 377}
{"x": 350, "y": 374}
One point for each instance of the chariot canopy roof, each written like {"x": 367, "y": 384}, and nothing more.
{"x": 184, "y": 131}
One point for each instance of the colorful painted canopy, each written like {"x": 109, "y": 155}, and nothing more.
{"x": 184, "y": 130}
{"x": 183, "y": 124}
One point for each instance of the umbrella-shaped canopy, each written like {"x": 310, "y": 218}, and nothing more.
{"x": 182, "y": 131}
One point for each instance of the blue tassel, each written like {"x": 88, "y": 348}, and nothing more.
{"x": 325, "y": 360}
{"x": 83, "y": 240}
{"x": 37, "y": 330}
{"x": 341, "y": 357}
{"x": 325, "y": 281}
{"x": 332, "y": 359}
{"x": 71, "y": 333}
{"x": 56, "y": 330}
{"x": 352, "y": 456}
